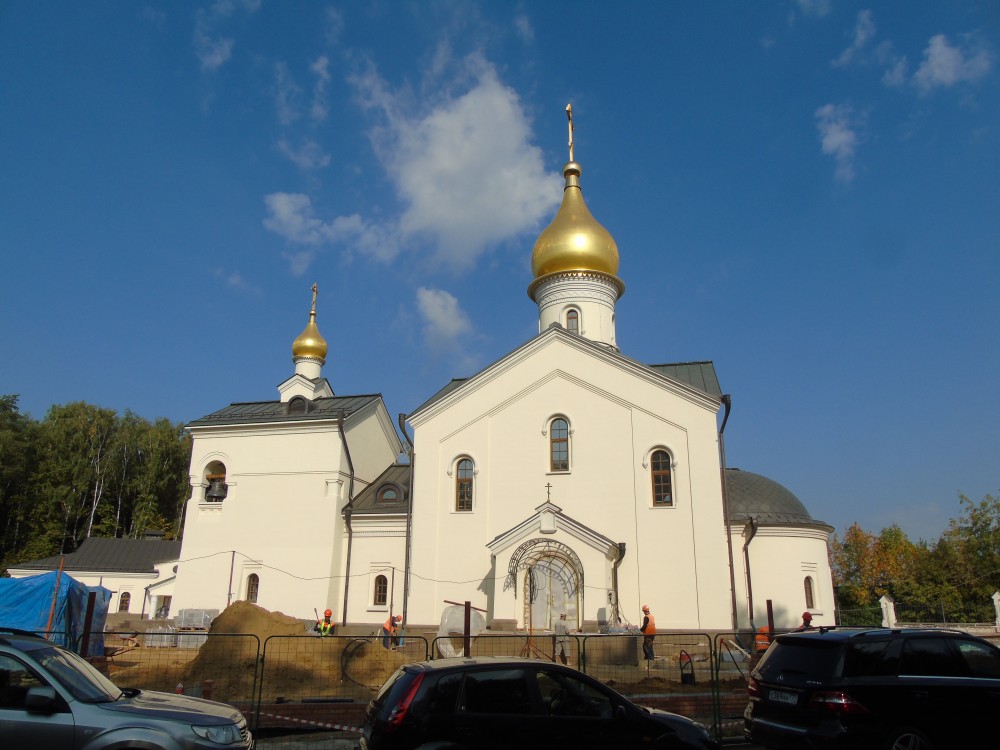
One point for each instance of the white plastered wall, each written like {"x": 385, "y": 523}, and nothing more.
{"x": 676, "y": 558}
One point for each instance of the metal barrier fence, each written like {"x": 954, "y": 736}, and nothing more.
{"x": 220, "y": 666}
{"x": 288, "y": 683}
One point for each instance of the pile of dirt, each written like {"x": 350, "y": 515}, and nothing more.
{"x": 293, "y": 665}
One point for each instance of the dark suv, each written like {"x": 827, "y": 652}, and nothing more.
{"x": 52, "y": 699}
{"x": 910, "y": 689}
{"x": 497, "y": 702}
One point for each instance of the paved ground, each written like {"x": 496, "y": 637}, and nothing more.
{"x": 344, "y": 741}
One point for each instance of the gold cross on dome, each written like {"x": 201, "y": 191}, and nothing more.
{"x": 569, "y": 115}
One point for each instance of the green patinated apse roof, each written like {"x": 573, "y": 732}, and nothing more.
{"x": 277, "y": 411}
{"x": 367, "y": 502}
{"x": 755, "y": 496}
{"x": 112, "y": 556}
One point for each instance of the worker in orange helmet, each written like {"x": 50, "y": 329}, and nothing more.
{"x": 807, "y": 621}
{"x": 326, "y": 625}
{"x": 648, "y": 629}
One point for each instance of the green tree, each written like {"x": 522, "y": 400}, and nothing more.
{"x": 17, "y": 449}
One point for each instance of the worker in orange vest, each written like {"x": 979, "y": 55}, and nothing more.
{"x": 648, "y": 629}
{"x": 762, "y": 640}
{"x": 389, "y": 639}
{"x": 326, "y": 625}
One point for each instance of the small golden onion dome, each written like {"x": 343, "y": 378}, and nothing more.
{"x": 574, "y": 241}
{"x": 310, "y": 343}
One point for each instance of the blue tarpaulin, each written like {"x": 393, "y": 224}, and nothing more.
{"x": 27, "y": 604}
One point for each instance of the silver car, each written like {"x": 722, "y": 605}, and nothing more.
{"x": 51, "y": 698}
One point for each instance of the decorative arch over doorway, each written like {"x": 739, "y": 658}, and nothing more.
{"x": 552, "y": 583}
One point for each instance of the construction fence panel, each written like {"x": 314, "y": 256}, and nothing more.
{"x": 735, "y": 655}
{"x": 218, "y": 666}
{"x": 326, "y": 682}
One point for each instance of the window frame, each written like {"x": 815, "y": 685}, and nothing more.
{"x": 573, "y": 316}
{"x": 655, "y": 479}
{"x": 562, "y": 443}
{"x": 465, "y": 483}
{"x": 809, "y": 589}
{"x": 254, "y": 579}
{"x": 380, "y": 591}
{"x": 124, "y": 598}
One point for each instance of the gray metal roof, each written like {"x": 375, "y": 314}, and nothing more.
{"x": 111, "y": 555}
{"x": 367, "y": 501}
{"x": 276, "y": 411}
{"x": 700, "y": 375}
{"x": 755, "y": 496}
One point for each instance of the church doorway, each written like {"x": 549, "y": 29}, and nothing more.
{"x": 551, "y": 578}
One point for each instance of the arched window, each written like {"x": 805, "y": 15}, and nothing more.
{"x": 810, "y": 599}
{"x": 559, "y": 445}
{"x": 387, "y": 494}
{"x": 464, "y": 477}
{"x": 573, "y": 321}
{"x": 297, "y": 405}
{"x": 663, "y": 494}
{"x": 253, "y": 586}
{"x": 381, "y": 591}
{"x": 124, "y": 601}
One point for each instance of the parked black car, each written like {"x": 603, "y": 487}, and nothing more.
{"x": 493, "y": 702}
{"x": 52, "y": 699}
{"x": 908, "y": 689}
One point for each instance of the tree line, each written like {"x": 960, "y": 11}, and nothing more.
{"x": 951, "y": 579}
{"x": 85, "y": 471}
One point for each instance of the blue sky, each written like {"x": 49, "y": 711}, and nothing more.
{"x": 805, "y": 193}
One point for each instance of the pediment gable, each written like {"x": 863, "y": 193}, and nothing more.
{"x": 549, "y": 520}
{"x": 594, "y": 356}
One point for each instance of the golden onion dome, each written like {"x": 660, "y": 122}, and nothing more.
{"x": 574, "y": 241}
{"x": 310, "y": 343}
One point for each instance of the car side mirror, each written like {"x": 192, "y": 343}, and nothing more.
{"x": 40, "y": 699}
{"x": 620, "y": 712}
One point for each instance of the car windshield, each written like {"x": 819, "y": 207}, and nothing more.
{"x": 80, "y": 678}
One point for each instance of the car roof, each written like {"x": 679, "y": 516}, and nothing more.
{"x": 844, "y": 634}
{"x": 22, "y": 639}
{"x": 460, "y": 662}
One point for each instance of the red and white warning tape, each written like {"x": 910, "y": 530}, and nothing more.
{"x": 320, "y": 724}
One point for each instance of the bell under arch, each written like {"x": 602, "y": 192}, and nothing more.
{"x": 550, "y": 575}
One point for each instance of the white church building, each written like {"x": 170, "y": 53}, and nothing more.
{"x": 563, "y": 477}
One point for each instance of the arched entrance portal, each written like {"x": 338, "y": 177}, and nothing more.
{"x": 551, "y": 581}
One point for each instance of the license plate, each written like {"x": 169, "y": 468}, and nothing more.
{"x": 777, "y": 696}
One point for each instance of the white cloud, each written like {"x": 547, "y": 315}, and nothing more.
{"x": 212, "y": 50}
{"x": 235, "y": 280}
{"x": 895, "y": 74}
{"x": 464, "y": 170}
{"x": 445, "y": 324}
{"x": 525, "y": 31}
{"x": 286, "y": 94}
{"x": 864, "y": 32}
{"x": 945, "y": 65}
{"x": 291, "y": 215}
{"x": 334, "y": 25}
{"x": 308, "y": 156}
{"x": 838, "y": 137}
{"x": 320, "y": 106}
{"x": 817, "y": 8}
